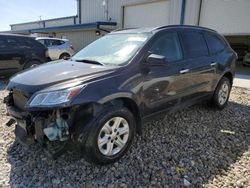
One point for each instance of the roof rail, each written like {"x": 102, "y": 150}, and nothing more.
{"x": 183, "y": 26}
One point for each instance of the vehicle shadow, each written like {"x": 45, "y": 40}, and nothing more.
{"x": 196, "y": 143}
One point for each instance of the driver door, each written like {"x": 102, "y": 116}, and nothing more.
{"x": 165, "y": 84}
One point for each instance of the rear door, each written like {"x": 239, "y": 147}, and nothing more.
{"x": 200, "y": 64}
{"x": 10, "y": 54}
{"x": 164, "y": 85}
{"x": 54, "y": 48}
{"x": 218, "y": 56}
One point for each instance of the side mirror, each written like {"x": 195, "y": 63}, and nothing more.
{"x": 154, "y": 60}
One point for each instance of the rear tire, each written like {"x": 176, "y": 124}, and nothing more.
{"x": 31, "y": 64}
{"x": 64, "y": 56}
{"x": 109, "y": 135}
{"x": 221, "y": 94}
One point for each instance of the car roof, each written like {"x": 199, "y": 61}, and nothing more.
{"x": 160, "y": 28}
{"x": 50, "y": 38}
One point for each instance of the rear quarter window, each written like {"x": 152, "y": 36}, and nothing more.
{"x": 215, "y": 44}
{"x": 42, "y": 41}
{"x": 194, "y": 44}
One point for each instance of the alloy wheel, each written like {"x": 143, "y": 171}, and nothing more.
{"x": 113, "y": 136}
{"x": 223, "y": 94}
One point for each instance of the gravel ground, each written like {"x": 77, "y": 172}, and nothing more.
{"x": 195, "y": 147}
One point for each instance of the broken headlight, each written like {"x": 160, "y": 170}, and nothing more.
{"x": 51, "y": 98}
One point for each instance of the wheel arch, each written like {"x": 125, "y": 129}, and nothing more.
{"x": 30, "y": 60}
{"x": 88, "y": 110}
{"x": 64, "y": 53}
{"x": 132, "y": 106}
{"x": 228, "y": 75}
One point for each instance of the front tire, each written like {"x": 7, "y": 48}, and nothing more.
{"x": 110, "y": 135}
{"x": 221, "y": 95}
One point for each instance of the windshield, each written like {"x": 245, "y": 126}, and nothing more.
{"x": 113, "y": 49}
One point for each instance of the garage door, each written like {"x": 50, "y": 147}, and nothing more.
{"x": 229, "y": 17}
{"x": 147, "y": 14}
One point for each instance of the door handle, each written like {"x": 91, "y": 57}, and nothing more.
{"x": 213, "y": 64}
{"x": 184, "y": 71}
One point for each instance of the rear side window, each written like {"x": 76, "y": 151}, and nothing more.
{"x": 194, "y": 45}
{"x": 19, "y": 42}
{"x": 167, "y": 45}
{"x": 54, "y": 42}
{"x": 27, "y": 42}
{"x": 24, "y": 43}
{"x": 214, "y": 43}
{"x": 12, "y": 42}
{"x": 2, "y": 43}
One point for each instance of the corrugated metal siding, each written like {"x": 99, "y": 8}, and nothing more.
{"x": 27, "y": 26}
{"x": 79, "y": 39}
{"x": 227, "y": 17}
{"x": 61, "y": 22}
{"x": 93, "y": 10}
{"x": 175, "y": 12}
{"x": 46, "y": 23}
{"x": 192, "y": 12}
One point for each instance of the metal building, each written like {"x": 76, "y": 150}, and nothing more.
{"x": 96, "y": 17}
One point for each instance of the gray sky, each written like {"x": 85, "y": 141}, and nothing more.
{"x": 18, "y": 11}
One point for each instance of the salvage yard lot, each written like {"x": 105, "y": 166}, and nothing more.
{"x": 205, "y": 147}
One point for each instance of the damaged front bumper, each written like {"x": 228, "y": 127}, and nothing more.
{"x": 51, "y": 129}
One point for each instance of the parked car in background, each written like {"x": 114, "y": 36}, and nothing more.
{"x": 20, "y": 52}
{"x": 100, "y": 97}
{"x": 58, "y": 48}
{"x": 241, "y": 49}
{"x": 246, "y": 60}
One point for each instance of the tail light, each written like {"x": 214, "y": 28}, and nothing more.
{"x": 72, "y": 47}
{"x": 46, "y": 52}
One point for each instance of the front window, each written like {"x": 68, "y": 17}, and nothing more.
{"x": 167, "y": 45}
{"x": 112, "y": 49}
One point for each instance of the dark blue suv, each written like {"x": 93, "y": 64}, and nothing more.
{"x": 19, "y": 52}
{"x": 100, "y": 98}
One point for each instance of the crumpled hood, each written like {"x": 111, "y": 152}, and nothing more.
{"x": 56, "y": 72}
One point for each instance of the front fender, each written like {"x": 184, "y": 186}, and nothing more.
{"x": 118, "y": 95}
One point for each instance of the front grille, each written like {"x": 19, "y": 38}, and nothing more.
{"x": 19, "y": 98}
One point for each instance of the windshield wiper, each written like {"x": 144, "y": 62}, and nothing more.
{"x": 88, "y": 61}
